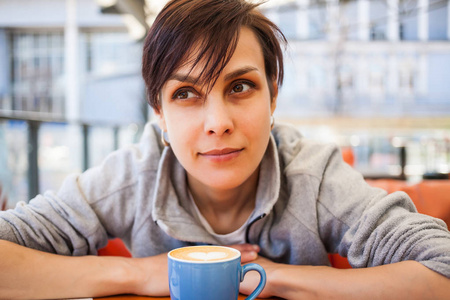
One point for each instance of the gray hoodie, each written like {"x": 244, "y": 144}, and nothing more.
{"x": 308, "y": 203}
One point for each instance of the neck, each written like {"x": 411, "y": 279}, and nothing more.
{"x": 225, "y": 210}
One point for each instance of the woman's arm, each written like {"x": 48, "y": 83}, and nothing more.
{"x": 403, "y": 280}
{"x": 31, "y": 274}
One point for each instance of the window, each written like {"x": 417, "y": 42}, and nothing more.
{"x": 109, "y": 53}
{"x": 37, "y": 72}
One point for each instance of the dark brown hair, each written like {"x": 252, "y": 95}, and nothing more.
{"x": 214, "y": 26}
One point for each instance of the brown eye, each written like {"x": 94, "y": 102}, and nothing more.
{"x": 184, "y": 94}
{"x": 241, "y": 87}
{"x": 238, "y": 88}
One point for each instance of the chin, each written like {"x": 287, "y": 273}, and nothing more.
{"x": 223, "y": 182}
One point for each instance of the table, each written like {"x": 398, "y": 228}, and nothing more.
{"x": 133, "y": 297}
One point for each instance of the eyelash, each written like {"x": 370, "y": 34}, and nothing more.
{"x": 233, "y": 85}
{"x": 183, "y": 90}
{"x": 249, "y": 83}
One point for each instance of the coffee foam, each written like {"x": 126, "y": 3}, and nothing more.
{"x": 204, "y": 253}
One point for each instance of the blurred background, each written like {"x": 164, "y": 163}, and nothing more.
{"x": 370, "y": 75}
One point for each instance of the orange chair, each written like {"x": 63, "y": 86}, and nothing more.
{"x": 115, "y": 247}
{"x": 348, "y": 155}
{"x": 433, "y": 198}
{"x": 338, "y": 261}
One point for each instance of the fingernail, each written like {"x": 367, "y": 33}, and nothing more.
{"x": 256, "y": 247}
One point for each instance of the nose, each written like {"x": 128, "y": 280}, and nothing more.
{"x": 218, "y": 116}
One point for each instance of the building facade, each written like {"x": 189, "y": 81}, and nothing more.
{"x": 374, "y": 63}
{"x": 66, "y": 60}
{"x": 366, "y": 58}
{"x": 70, "y": 91}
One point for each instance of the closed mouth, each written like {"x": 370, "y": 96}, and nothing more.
{"x": 219, "y": 152}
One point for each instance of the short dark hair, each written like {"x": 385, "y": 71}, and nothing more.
{"x": 215, "y": 26}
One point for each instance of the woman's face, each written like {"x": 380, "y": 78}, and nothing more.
{"x": 220, "y": 137}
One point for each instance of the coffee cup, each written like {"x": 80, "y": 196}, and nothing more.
{"x": 209, "y": 272}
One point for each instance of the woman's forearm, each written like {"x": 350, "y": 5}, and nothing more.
{"x": 31, "y": 274}
{"x": 404, "y": 280}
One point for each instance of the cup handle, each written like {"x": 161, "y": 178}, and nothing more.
{"x": 262, "y": 282}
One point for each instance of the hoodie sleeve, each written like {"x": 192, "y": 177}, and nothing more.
{"x": 62, "y": 223}
{"x": 371, "y": 227}
{"x": 90, "y": 207}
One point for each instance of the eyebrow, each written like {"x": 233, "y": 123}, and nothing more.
{"x": 228, "y": 77}
{"x": 239, "y": 72}
{"x": 183, "y": 78}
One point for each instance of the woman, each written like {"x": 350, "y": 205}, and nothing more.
{"x": 217, "y": 170}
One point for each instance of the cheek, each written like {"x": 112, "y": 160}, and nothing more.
{"x": 179, "y": 140}
{"x": 181, "y": 131}
{"x": 176, "y": 131}
{"x": 257, "y": 120}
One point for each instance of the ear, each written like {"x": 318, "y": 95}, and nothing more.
{"x": 161, "y": 120}
{"x": 273, "y": 103}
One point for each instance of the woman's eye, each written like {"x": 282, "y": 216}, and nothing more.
{"x": 240, "y": 87}
{"x": 184, "y": 94}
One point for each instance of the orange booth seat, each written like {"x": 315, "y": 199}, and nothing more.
{"x": 115, "y": 247}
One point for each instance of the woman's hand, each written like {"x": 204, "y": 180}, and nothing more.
{"x": 249, "y": 252}
{"x": 251, "y": 279}
{"x": 151, "y": 275}
{"x": 155, "y": 283}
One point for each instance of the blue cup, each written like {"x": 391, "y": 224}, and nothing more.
{"x": 209, "y": 273}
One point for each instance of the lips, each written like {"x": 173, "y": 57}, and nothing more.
{"x": 221, "y": 155}
{"x": 218, "y": 152}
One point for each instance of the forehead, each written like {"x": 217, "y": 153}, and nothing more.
{"x": 248, "y": 52}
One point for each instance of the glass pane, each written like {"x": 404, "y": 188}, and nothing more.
{"x": 60, "y": 154}
{"x": 130, "y": 134}
{"x": 112, "y": 52}
{"x": 101, "y": 143}
{"x": 13, "y": 161}
{"x": 438, "y": 18}
{"x": 37, "y": 72}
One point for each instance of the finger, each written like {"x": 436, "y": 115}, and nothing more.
{"x": 249, "y": 284}
{"x": 246, "y": 247}
{"x": 248, "y": 256}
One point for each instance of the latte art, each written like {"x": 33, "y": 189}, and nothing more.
{"x": 205, "y": 253}
{"x": 207, "y": 256}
